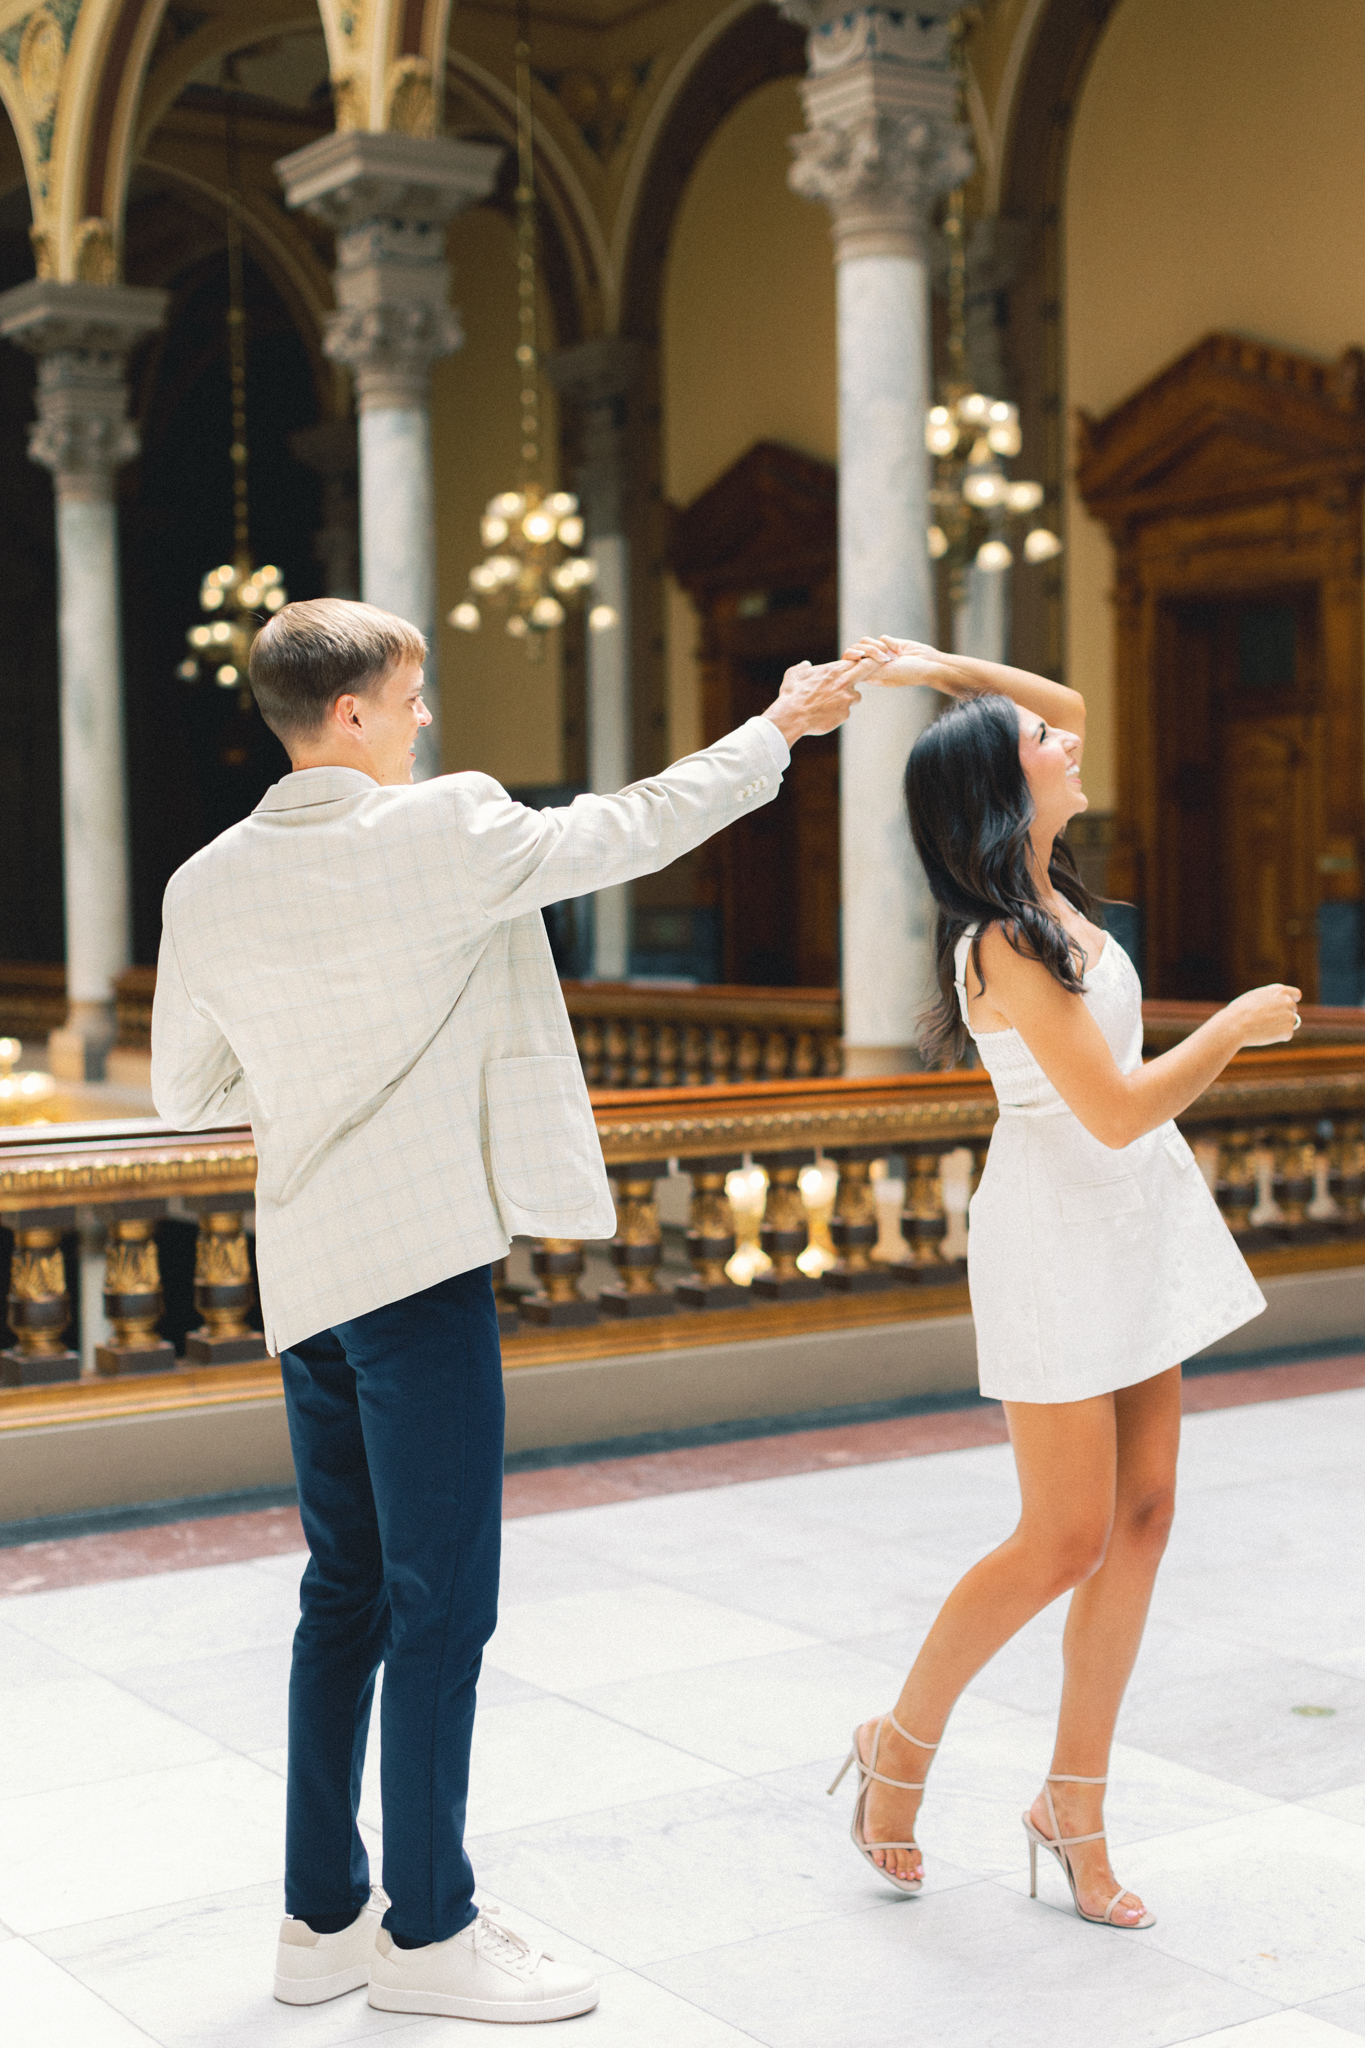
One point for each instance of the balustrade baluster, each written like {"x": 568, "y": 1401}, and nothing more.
{"x": 133, "y": 1300}
{"x": 720, "y": 1046}
{"x": 615, "y": 1048}
{"x": 925, "y": 1225}
{"x": 711, "y": 1239}
{"x": 589, "y": 1039}
{"x": 1292, "y": 1184}
{"x": 642, "y": 1053}
{"x": 853, "y": 1227}
{"x": 693, "y": 1056}
{"x": 805, "y": 1062}
{"x": 39, "y": 1304}
{"x": 224, "y": 1292}
{"x": 776, "y": 1054}
{"x": 1346, "y": 1176}
{"x": 785, "y": 1234}
{"x": 638, "y": 1245}
{"x": 1235, "y": 1189}
{"x": 557, "y": 1263}
{"x": 748, "y": 1054}
{"x": 831, "y": 1055}
{"x": 666, "y": 1056}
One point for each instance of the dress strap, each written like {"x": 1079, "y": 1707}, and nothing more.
{"x": 960, "y": 969}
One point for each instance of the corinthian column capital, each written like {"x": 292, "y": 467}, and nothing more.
{"x": 82, "y": 335}
{"x": 884, "y": 138}
{"x": 388, "y": 199}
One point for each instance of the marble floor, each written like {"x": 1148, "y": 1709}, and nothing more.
{"x": 668, "y": 1694}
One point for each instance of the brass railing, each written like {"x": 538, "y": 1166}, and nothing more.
{"x": 1281, "y": 1136}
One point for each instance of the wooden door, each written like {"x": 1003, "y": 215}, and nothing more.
{"x": 1240, "y": 767}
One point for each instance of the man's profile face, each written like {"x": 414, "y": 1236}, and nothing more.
{"x": 391, "y": 718}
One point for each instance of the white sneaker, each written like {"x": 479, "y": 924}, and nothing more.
{"x": 310, "y": 1968}
{"x": 485, "y": 1972}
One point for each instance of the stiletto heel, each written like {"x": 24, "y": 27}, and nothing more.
{"x": 1057, "y": 1845}
{"x": 851, "y": 1758}
{"x": 868, "y": 1774}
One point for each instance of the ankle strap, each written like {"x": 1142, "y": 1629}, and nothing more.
{"x": 1065, "y": 1778}
{"x": 906, "y": 1736}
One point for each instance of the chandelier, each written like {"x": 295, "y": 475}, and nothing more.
{"x": 235, "y": 593}
{"x": 977, "y": 507}
{"x": 534, "y": 570}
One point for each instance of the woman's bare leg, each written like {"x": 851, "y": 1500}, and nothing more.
{"x": 1104, "y": 1627}
{"x": 1066, "y": 1457}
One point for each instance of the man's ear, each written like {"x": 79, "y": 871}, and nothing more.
{"x": 345, "y": 712}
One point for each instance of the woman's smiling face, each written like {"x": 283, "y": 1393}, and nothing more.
{"x": 1051, "y": 761}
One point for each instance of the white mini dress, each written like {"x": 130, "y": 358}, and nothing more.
{"x": 1090, "y": 1269}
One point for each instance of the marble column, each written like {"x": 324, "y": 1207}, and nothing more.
{"x": 388, "y": 199}
{"x": 82, "y": 335}
{"x": 883, "y": 141}
{"x": 598, "y": 377}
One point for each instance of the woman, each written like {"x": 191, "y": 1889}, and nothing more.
{"x": 1097, "y": 1258}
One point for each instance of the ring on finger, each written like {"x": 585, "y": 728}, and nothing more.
{"x": 1297, "y": 1020}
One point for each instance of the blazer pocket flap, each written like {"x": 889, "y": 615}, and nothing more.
{"x": 542, "y": 1140}
{"x": 1096, "y": 1201}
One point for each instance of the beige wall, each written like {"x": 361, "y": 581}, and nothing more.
{"x": 1216, "y": 180}
{"x": 501, "y": 710}
{"x": 748, "y": 333}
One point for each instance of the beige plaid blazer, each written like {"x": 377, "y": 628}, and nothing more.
{"x": 363, "y": 975}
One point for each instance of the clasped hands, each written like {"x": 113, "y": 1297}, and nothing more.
{"x": 816, "y": 698}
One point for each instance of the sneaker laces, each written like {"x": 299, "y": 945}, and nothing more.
{"x": 504, "y": 1945}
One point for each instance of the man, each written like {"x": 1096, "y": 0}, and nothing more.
{"x": 360, "y": 970}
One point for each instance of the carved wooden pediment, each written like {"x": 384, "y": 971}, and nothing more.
{"x": 771, "y": 519}
{"x": 1228, "y": 423}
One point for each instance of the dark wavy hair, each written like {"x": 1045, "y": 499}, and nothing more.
{"x": 970, "y": 813}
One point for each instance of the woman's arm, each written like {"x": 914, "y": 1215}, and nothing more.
{"x": 1070, "y": 1048}
{"x": 898, "y": 662}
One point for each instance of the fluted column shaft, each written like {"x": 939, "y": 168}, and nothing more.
{"x": 883, "y": 141}
{"x": 598, "y": 376}
{"x": 82, "y": 335}
{"x": 389, "y": 199}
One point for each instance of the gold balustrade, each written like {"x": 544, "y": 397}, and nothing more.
{"x": 1281, "y": 1135}
{"x": 661, "y": 1037}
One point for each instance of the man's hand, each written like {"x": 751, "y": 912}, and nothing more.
{"x": 896, "y": 663}
{"x": 814, "y": 699}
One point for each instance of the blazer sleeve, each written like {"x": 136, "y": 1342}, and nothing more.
{"x": 197, "y": 1081}
{"x": 519, "y": 859}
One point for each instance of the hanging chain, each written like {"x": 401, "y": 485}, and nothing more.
{"x": 236, "y": 329}
{"x": 528, "y": 359}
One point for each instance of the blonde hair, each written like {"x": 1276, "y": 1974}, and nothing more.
{"x": 311, "y": 653}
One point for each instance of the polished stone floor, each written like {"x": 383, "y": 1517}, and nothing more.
{"x": 668, "y": 1694}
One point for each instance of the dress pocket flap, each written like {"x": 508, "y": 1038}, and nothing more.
{"x": 541, "y": 1133}
{"x": 1096, "y": 1201}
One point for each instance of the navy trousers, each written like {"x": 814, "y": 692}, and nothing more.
{"x": 396, "y": 1422}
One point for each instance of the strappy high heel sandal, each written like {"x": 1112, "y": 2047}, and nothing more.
{"x": 868, "y": 1774}
{"x": 1058, "y": 1844}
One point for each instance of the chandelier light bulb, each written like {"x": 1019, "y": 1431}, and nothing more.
{"x": 1041, "y": 545}
{"x": 602, "y": 617}
{"x": 227, "y": 575}
{"x": 940, "y": 434}
{"x": 467, "y": 617}
{"x": 993, "y": 556}
{"x": 561, "y": 503}
{"x": 250, "y": 594}
{"x": 266, "y": 576}
{"x": 199, "y": 636}
{"x": 984, "y": 487}
{"x": 220, "y": 630}
{"x": 974, "y": 408}
{"x": 539, "y": 526}
{"x": 226, "y": 676}
{"x": 938, "y": 543}
{"x": 546, "y": 613}
{"x": 565, "y": 577}
{"x": 507, "y": 505}
{"x": 1004, "y": 436}
{"x": 517, "y": 626}
{"x": 188, "y": 671}
{"x": 1024, "y": 497}
{"x": 274, "y": 599}
{"x": 211, "y": 597}
{"x": 571, "y": 531}
{"x": 493, "y": 529}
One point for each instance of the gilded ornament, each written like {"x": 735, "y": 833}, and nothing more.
{"x": 131, "y": 1267}
{"x": 95, "y": 259}
{"x": 44, "y": 262}
{"x": 41, "y": 56}
{"x": 37, "y": 1276}
{"x": 410, "y": 98}
{"x": 221, "y": 1259}
{"x": 348, "y": 103}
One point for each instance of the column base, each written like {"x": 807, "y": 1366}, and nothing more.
{"x": 798, "y": 1288}
{"x": 78, "y": 1049}
{"x": 114, "y": 1359}
{"x": 699, "y": 1294}
{"x": 617, "y": 1301}
{"x": 864, "y": 1280}
{"x": 557, "y": 1315}
{"x": 43, "y": 1369}
{"x": 940, "y": 1273}
{"x": 202, "y": 1349}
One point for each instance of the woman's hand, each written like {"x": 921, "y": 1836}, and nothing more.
{"x": 1267, "y": 1016}
{"x": 897, "y": 663}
